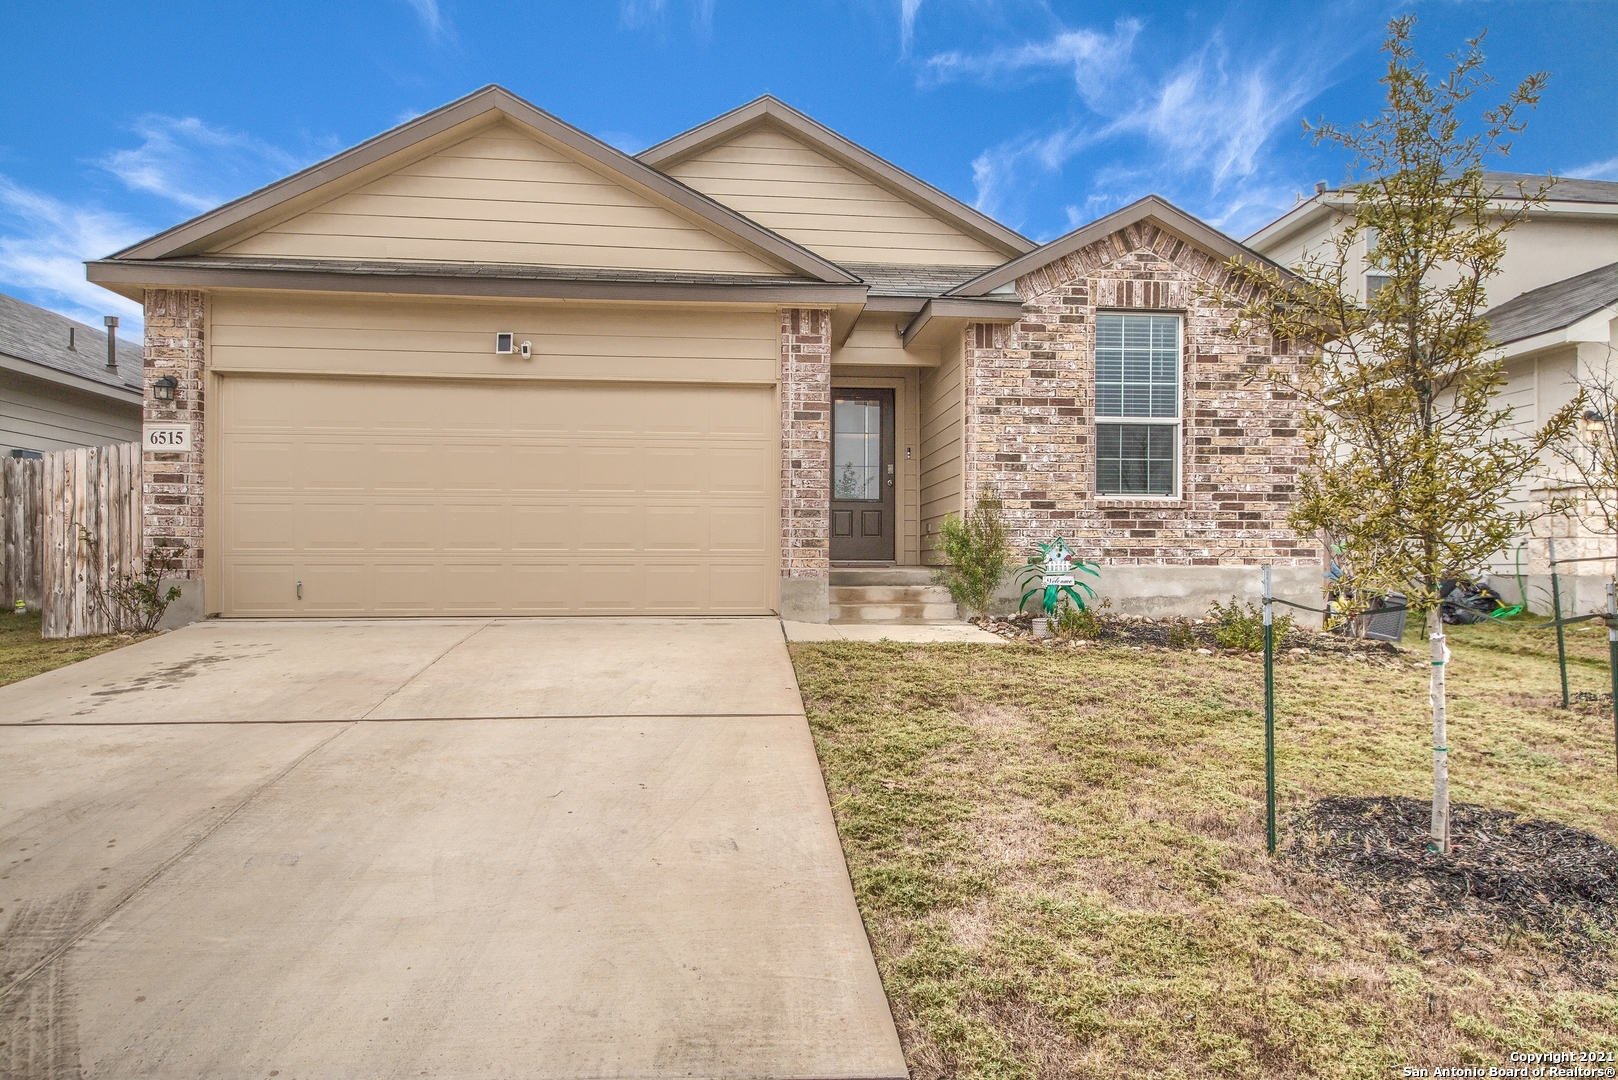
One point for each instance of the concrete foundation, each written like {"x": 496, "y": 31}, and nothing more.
{"x": 1187, "y": 591}
{"x": 805, "y": 599}
{"x": 1582, "y": 594}
{"x": 191, "y": 605}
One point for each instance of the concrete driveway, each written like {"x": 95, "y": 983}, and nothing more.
{"x": 457, "y": 848}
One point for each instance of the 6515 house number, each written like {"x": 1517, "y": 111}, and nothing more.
{"x": 168, "y": 438}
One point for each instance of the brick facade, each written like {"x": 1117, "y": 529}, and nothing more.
{"x": 1030, "y": 405}
{"x": 171, "y": 501}
{"x": 805, "y": 442}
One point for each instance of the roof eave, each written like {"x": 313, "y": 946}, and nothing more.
{"x": 46, "y": 373}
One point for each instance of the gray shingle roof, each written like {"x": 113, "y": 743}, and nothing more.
{"x": 41, "y": 337}
{"x": 897, "y": 279}
{"x": 496, "y": 271}
{"x": 1551, "y": 307}
{"x": 1566, "y": 189}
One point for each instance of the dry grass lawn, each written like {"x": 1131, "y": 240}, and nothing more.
{"x": 1060, "y": 855}
{"x": 24, "y": 653}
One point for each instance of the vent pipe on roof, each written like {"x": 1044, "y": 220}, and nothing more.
{"x": 70, "y": 344}
{"x": 112, "y": 342}
{"x": 1320, "y": 187}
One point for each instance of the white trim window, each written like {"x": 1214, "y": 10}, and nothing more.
{"x": 1138, "y": 380}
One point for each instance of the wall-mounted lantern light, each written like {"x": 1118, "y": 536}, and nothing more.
{"x": 163, "y": 389}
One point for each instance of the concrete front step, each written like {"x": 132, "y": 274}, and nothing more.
{"x": 891, "y": 604}
{"x": 881, "y": 575}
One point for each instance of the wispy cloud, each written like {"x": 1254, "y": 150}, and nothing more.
{"x": 1596, "y": 170}
{"x": 432, "y": 20}
{"x": 645, "y": 14}
{"x": 628, "y": 142}
{"x": 195, "y": 164}
{"x": 1200, "y": 127}
{"x": 43, "y": 246}
{"x": 907, "y": 23}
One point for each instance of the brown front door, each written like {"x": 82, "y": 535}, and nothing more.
{"x": 862, "y": 474}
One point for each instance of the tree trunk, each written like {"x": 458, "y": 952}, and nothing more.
{"x": 1440, "y": 657}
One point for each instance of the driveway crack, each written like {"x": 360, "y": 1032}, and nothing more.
{"x": 56, "y": 953}
{"x": 426, "y": 668}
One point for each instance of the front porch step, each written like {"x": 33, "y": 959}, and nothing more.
{"x": 891, "y": 604}
{"x": 881, "y": 575}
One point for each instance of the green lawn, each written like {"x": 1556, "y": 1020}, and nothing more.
{"x": 23, "y": 652}
{"x": 1059, "y": 854}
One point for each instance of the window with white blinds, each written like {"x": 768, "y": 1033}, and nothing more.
{"x": 1137, "y": 373}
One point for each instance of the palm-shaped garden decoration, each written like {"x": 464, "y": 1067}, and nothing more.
{"x": 1051, "y": 573}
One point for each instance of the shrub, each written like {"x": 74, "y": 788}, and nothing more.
{"x": 1242, "y": 627}
{"x": 1073, "y": 621}
{"x": 1181, "y": 636}
{"x": 132, "y": 602}
{"x": 977, "y": 554}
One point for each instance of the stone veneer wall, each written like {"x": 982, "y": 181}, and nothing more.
{"x": 805, "y": 461}
{"x": 1030, "y": 398}
{"x": 172, "y": 483}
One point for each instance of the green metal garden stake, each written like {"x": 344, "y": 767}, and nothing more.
{"x": 1612, "y": 655}
{"x": 1556, "y": 602}
{"x": 1269, "y": 719}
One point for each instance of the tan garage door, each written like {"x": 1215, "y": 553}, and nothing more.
{"x": 422, "y": 497}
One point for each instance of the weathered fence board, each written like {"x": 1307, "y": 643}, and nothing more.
{"x": 22, "y": 526}
{"x": 47, "y": 564}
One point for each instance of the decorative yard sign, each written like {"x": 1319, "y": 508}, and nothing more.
{"x": 1057, "y": 562}
{"x": 166, "y": 438}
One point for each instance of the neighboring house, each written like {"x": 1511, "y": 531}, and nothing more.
{"x": 1555, "y": 315}
{"x": 57, "y": 389}
{"x": 486, "y": 363}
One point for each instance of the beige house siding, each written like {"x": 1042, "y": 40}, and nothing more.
{"x": 942, "y": 399}
{"x": 327, "y": 334}
{"x": 502, "y": 196}
{"x": 824, "y": 205}
{"x": 40, "y": 416}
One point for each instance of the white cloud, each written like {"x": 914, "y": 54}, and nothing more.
{"x": 907, "y": 23}
{"x": 641, "y": 14}
{"x": 196, "y": 165}
{"x": 1198, "y": 129}
{"x": 628, "y": 142}
{"x": 43, "y": 246}
{"x": 431, "y": 19}
{"x": 1596, "y": 170}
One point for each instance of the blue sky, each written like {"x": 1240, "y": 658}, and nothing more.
{"x": 121, "y": 120}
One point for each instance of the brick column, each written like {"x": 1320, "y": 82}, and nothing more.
{"x": 171, "y": 501}
{"x": 805, "y": 463}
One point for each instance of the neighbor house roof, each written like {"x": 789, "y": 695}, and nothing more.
{"x": 1554, "y": 306}
{"x": 1562, "y": 188}
{"x": 1152, "y": 209}
{"x": 35, "y": 342}
{"x": 768, "y": 111}
{"x": 196, "y": 236}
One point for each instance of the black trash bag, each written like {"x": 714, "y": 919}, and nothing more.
{"x": 1467, "y": 602}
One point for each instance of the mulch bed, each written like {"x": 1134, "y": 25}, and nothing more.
{"x": 1186, "y": 635}
{"x": 1515, "y": 872}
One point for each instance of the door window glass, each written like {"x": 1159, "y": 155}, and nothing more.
{"x": 857, "y": 450}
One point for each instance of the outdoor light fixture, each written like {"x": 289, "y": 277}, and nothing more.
{"x": 163, "y": 389}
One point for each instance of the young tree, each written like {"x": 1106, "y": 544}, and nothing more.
{"x": 1413, "y": 460}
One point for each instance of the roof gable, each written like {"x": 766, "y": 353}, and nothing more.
{"x": 803, "y": 180}
{"x": 1152, "y": 210}
{"x": 489, "y": 178}
{"x": 1554, "y": 306}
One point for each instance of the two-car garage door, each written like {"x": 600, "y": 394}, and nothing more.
{"x": 395, "y": 496}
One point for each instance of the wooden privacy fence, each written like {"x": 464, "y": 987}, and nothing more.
{"x": 47, "y": 566}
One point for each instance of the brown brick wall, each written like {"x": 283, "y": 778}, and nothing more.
{"x": 805, "y": 442}
{"x": 172, "y": 483}
{"x": 1030, "y": 395}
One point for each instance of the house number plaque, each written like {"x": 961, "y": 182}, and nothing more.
{"x": 166, "y": 438}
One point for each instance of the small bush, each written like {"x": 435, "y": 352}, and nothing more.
{"x": 977, "y": 554}
{"x": 1238, "y": 626}
{"x": 1076, "y": 622}
{"x": 1181, "y": 636}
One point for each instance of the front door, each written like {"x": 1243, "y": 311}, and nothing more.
{"x": 862, "y": 473}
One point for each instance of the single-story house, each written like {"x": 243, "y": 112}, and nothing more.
{"x": 486, "y": 363}
{"x": 60, "y": 386}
